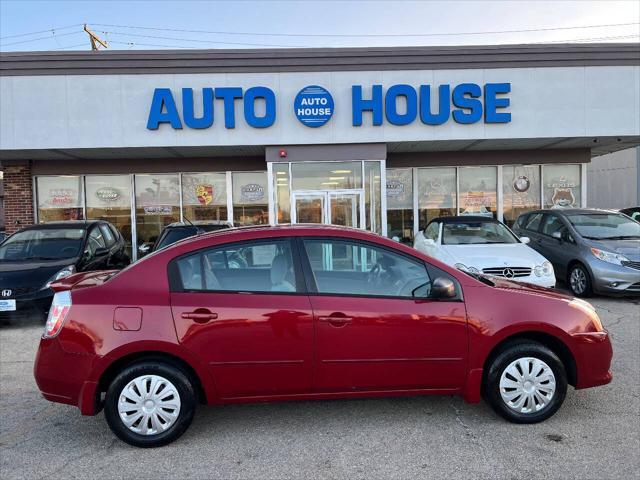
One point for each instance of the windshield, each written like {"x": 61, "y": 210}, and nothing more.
{"x": 476, "y": 232}
{"x": 45, "y": 244}
{"x": 605, "y": 226}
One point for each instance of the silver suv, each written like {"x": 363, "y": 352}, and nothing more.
{"x": 593, "y": 250}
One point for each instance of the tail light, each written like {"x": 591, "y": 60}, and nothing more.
{"x": 57, "y": 313}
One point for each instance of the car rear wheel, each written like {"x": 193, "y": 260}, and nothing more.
{"x": 150, "y": 404}
{"x": 526, "y": 383}
{"x": 579, "y": 281}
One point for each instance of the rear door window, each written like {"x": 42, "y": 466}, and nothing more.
{"x": 256, "y": 267}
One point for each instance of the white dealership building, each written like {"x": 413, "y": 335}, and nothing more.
{"x": 383, "y": 139}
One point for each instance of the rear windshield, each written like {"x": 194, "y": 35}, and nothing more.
{"x": 605, "y": 226}
{"x": 45, "y": 244}
{"x": 174, "y": 235}
{"x": 477, "y": 232}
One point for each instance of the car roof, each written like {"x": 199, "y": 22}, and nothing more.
{"x": 199, "y": 223}
{"x": 571, "y": 211}
{"x": 65, "y": 224}
{"x": 463, "y": 219}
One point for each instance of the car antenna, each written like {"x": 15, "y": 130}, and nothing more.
{"x": 190, "y": 222}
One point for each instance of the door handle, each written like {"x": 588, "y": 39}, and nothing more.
{"x": 336, "y": 319}
{"x": 200, "y": 315}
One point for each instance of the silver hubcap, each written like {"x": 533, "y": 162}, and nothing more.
{"x": 149, "y": 405}
{"x": 527, "y": 385}
{"x": 578, "y": 280}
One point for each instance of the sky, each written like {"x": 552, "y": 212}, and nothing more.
{"x": 27, "y": 25}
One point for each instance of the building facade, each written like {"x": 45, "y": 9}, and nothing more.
{"x": 620, "y": 170}
{"x": 383, "y": 139}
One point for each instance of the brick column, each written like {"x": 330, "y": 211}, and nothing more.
{"x": 18, "y": 197}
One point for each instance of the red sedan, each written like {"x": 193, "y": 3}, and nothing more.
{"x": 306, "y": 312}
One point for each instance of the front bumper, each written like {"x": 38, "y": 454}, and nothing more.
{"x": 593, "y": 357}
{"x": 615, "y": 279}
{"x": 62, "y": 377}
{"x": 32, "y": 305}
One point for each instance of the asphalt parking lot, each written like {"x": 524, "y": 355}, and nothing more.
{"x": 596, "y": 434}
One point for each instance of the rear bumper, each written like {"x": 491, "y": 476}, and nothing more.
{"x": 62, "y": 376}
{"x": 593, "y": 358}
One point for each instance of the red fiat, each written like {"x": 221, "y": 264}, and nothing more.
{"x": 306, "y": 312}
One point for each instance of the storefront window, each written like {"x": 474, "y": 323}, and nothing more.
{"x": 204, "y": 196}
{"x": 373, "y": 197}
{"x": 400, "y": 204}
{"x": 157, "y": 205}
{"x": 109, "y": 198}
{"x": 59, "y": 198}
{"x": 281, "y": 186}
{"x": 250, "y": 200}
{"x": 478, "y": 191}
{"x": 326, "y": 175}
{"x": 562, "y": 186}
{"x": 520, "y": 190}
{"x": 436, "y": 194}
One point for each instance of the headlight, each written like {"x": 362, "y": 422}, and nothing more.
{"x": 609, "y": 257}
{"x": 65, "y": 272}
{"x": 464, "y": 268}
{"x": 546, "y": 269}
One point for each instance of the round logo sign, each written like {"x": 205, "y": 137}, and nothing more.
{"x": 521, "y": 184}
{"x": 313, "y": 106}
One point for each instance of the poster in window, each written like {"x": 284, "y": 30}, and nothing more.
{"x": 399, "y": 189}
{"x": 562, "y": 186}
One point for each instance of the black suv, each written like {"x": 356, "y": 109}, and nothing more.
{"x": 179, "y": 231}
{"x": 34, "y": 257}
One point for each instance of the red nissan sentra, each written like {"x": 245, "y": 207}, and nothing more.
{"x": 306, "y": 312}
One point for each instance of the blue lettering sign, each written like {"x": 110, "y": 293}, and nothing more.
{"x": 163, "y": 99}
{"x": 492, "y": 103}
{"x": 188, "y": 108}
{"x": 444, "y": 105}
{"x": 391, "y": 104}
{"x": 250, "y": 97}
{"x": 228, "y": 95}
{"x": 465, "y": 97}
{"x": 359, "y": 105}
{"x": 313, "y": 106}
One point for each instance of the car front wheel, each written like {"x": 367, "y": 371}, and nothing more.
{"x": 150, "y": 404}
{"x": 526, "y": 383}
{"x": 579, "y": 281}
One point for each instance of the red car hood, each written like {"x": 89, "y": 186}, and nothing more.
{"x": 529, "y": 288}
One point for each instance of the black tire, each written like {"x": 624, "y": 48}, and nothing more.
{"x": 184, "y": 387}
{"x": 514, "y": 351}
{"x": 581, "y": 271}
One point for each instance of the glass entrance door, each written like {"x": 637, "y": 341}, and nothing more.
{"x": 328, "y": 207}
{"x": 344, "y": 209}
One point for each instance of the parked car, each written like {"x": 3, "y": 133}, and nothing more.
{"x": 632, "y": 212}
{"x": 484, "y": 245}
{"x": 179, "y": 231}
{"x": 317, "y": 312}
{"x": 34, "y": 257}
{"x": 594, "y": 250}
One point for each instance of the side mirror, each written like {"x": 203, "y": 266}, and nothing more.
{"x": 557, "y": 235}
{"x": 443, "y": 288}
{"x": 525, "y": 240}
{"x": 101, "y": 252}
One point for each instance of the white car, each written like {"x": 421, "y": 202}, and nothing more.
{"x": 483, "y": 245}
